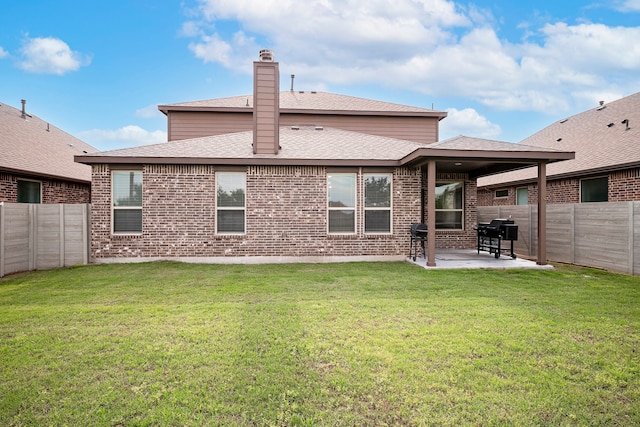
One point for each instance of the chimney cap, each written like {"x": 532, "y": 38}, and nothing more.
{"x": 266, "y": 55}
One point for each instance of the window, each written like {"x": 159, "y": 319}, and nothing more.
{"x": 377, "y": 203}
{"x": 522, "y": 196}
{"x": 230, "y": 202}
{"x": 127, "y": 202}
{"x": 502, "y": 193}
{"x": 594, "y": 189}
{"x": 449, "y": 205}
{"x": 341, "y": 196}
{"x": 29, "y": 192}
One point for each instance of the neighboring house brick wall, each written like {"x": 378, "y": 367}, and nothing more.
{"x": 487, "y": 197}
{"x": 624, "y": 186}
{"x": 8, "y": 188}
{"x": 179, "y": 215}
{"x": 558, "y": 191}
{"x": 53, "y": 191}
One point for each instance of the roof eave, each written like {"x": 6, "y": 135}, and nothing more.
{"x": 499, "y": 156}
{"x": 40, "y": 175}
{"x": 203, "y": 109}
{"x": 168, "y": 108}
{"x": 437, "y": 114}
{"x": 257, "y": 161}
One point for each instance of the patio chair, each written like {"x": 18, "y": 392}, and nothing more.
{"x": 418, "y": 235}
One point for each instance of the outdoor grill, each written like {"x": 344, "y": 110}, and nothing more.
{"x": 491, "y": 234}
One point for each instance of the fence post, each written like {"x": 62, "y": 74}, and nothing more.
{"x": 2, "y": 239}
{"x": 33, "y": 236}
{"x": 631, "y": 242}
{"x": 530, "y": 230}
{"x": 61, "y": 228}
{"x": 572, "y": 224}
{"x": 85, "y": 233}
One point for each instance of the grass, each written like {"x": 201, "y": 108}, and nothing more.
{"x": 314, "y": 345}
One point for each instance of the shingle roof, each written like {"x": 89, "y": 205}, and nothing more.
{"x": 467, "y": 143}
{"x": 306, "y": 143}
{"x": 311, "y": 145}
{"x": 599, "y": 138}
{"x": 308, "y": 101}
{"x": 35, "y": 147}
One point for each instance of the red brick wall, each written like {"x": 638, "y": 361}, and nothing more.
{"x": 487, "y": 197}
{"x": 53, "y": 191}
{"x": 286, "y": 215}
{"x": 458, "y": 239}
{"x": 624, "y": 186}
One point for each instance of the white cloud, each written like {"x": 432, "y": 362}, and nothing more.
{"x": 149, "y": 112}
{"x": 49, "y": 55}
{"x": 127, "y": 136}
{"x": 627, "y": 5}
{"x": 435, "y": 47}
{"x": 467, "y": 122}
{"x": 3, "y": 53}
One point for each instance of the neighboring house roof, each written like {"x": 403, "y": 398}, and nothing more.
{"x": 33, "y": 147}
{"x": 307, "y": 102}
{"x": 315, "y": 145}
{"x": 604, "y": 139}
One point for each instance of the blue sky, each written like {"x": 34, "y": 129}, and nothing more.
{"x": 501, "y": 69}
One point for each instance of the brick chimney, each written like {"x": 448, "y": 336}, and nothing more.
{"x": 266, "y": 104}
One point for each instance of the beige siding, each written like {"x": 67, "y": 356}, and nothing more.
{"x": 189, "y": 124}
{"x": 184, "y": 125}
{"x": 419, "y": 129}
{"x": 266, "y": 96}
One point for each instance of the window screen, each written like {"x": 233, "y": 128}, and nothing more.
{"x": 29, "y": 192}
{"x": 341, "y": 196}
{"x": 230, "y": 202}
{"x": 594, "y": 189}
{"x": 127, "y": 201}
{"x": 377, "y": 203}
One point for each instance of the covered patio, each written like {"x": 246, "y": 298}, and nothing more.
{"x": 480, "y": 157}
{"x": 471, "y": 259}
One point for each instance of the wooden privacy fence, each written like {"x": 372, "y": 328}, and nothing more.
{"x": 601, "y": 235}
{"x": 39, "y": 236}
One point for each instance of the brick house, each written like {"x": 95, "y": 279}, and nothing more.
{"x": 37, "y": 161}
{"x": 606, "y": 166}
{"x": 292, "y": 176}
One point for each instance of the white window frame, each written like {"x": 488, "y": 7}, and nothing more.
{"x": 462, "y": 210}
{"x": 375, "y": 208}
{"x": 28, "y": 180}
{"x": 114, "y": 208}
{"x": 343, "y": 208}
{"x": 232, "y": 208}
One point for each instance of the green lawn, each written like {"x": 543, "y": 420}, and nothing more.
{"x": 362, "y": 344}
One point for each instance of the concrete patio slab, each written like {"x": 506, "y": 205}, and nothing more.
{"x": 470, "y": 258}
